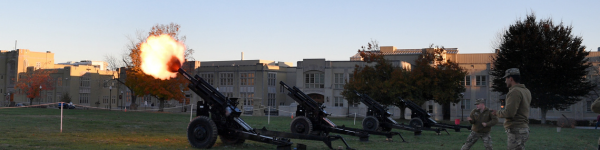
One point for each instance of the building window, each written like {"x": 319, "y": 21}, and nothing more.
{"x": 85, "y": 81}
{"x": 208, "y": 77}
{"x": 104, "y": 99}
{"x": 49, "y": 97}
{"x": 38, "y": 65}
{"x": 314, "y": 80}
{"x": 113, "y": 99}
{"x": 467, "y": 81}
{"x": 338, "y": 102}
{"x": 467, "y": 103}
{"x": 430, "y": 109}
{"x": 480, "y": 80}
{"x": 248, "y": 98}
{"x": 338, "y": 80}
{"x": 271, "y": 99}
{"x": 247, "y": 78}
{"x": 226, "y": 78}
{"x": 350, "y": 77}
{"x": 227, "y": 94}
{"x": 589, "y": 106}
{"x": 58, "y": 96}
{"x": 84, "y": 98}
{"x": 272, "y": 78}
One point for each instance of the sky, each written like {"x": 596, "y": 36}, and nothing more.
{"x": 278, "y": 30}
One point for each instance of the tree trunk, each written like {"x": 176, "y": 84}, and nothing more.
{"x": 544, "y": 111}
{"x": 161, "y": 105}
{"x": 446, "y": 111}
{"x": 30, "y": 101}
{"x": 133, "y": 105}
{"x": 402, "y": 109}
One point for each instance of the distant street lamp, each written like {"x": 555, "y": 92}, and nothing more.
{"x": 122, "y": 103}
{"x": 110, "y": 98}
{"x": 40, "y": 100}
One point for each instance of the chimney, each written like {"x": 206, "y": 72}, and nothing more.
{"x": 242, "y": 55}
{"x": 497, "y": 51}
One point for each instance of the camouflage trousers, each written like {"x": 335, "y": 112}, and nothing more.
{"x": 516, "y": 138}
{"x": 474, "y": 136}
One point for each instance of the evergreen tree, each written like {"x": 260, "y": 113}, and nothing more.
{"x": 551, "y": 60}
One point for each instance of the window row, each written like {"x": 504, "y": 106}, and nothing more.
{"x": 480, "y": 80}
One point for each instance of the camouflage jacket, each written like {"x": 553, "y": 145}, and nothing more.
{"x": 516, "y": 110}
{"x": 478, "y": 117}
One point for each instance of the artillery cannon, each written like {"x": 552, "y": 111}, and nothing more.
{"x": 218, "y": 115}
{"x": 311, "y": 118}
{"x": 422, "y": 119}
{"x": 378, "y": 118}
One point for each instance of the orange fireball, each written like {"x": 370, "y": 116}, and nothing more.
{"x": 162, "y": 56}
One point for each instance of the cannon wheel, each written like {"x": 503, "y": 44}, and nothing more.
{"x": 416, "y": 123}
{"x": 301, "y": 125}
{"x": 202, "y": 132}
{"x": 370, "y": 123}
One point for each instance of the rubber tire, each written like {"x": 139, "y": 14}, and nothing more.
{"x": 301, "y": 125}
{"x": 231, "y": 140}
{"x": 370, "y": 123}
{"x": 416, "y": 123}
{"x": 207, "y": 125}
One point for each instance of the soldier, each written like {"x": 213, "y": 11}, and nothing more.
{"x": 596, "y": 109}
{"x": 482, "y": 121}
{"x": 516, "y": 111}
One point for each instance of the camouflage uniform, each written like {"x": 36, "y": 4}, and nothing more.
{"x": 474, "y": 136}
{"x": 478, "y": 117}
{"x": 596, "y": 109}
{"x": 516, "y": 113}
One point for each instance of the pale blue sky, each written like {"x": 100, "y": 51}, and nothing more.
{"x": 278, "y": 30}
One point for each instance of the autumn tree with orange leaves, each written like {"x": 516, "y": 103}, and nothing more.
{"x": 141, "y": 84}
{"x": 29, "y": 83}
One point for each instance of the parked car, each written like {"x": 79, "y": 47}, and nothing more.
{"x": 20, "y": 105}
{"x": 67, "y": 106}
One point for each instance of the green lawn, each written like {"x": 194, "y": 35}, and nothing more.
{"x": 34, "y": 128}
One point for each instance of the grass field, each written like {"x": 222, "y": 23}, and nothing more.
{"x": 34, "y": 128}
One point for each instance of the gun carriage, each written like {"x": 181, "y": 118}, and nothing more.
{"x": 379, "y": 119}
{"x": 422, "y": 119}
{"x": 219, "y": 116}
{"x": 311, "y": 118}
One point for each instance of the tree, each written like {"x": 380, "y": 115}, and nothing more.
{"x": 552, "y": 63}
{"x": 66, "y": 98}
{"x": 436, "y": 78}
{"x": 29, "y": 83}
{"x": 141, "y": 84}
{"x": 432, "y": 78}
{"x": 374, "y": 78}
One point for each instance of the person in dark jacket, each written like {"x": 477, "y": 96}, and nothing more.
{"x": 482, "y": 121}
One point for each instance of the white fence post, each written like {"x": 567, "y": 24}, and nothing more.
{"x": 191, "y": 111}
{"x": 62, "y": 105}
{"x": 354, "y": 118}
